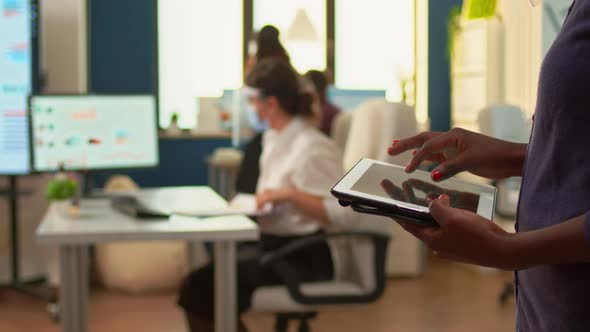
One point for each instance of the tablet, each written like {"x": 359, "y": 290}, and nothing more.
{"x": 380, "y": 188}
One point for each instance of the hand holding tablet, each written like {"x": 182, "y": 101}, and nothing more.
{"x": 379, "y": 188}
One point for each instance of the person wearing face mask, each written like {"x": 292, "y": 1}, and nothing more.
{"x": 551, "y": 250}
{"x": 298, "y": 166}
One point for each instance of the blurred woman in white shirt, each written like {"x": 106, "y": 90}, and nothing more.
{"x": 298, "y": 166}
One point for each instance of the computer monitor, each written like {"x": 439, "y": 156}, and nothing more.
{"x": 93, "y": 132}
{"x": 348, "y": 100}
{"x": 18, "y": 69}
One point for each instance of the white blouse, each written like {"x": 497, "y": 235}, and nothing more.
{"x": 301, "y": 157}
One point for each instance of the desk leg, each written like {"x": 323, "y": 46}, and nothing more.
{"x": 226, "y": 305}
{"x": 74, "y": 288}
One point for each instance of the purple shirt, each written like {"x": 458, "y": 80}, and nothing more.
{"x": 556, "y": 180}
{"x": 329, "y": 112}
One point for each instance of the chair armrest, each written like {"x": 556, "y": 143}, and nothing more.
{"x": 297, "y": 245}
{"x": 276, "y": 260}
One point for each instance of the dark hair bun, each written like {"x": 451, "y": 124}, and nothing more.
{"x": 268, "y": 34}
{"x": 269, "y": 44}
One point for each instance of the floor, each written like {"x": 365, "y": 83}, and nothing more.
{"x": 449, "y": 297}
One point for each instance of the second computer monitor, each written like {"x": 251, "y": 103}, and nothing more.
{"x": 90, "y": 132}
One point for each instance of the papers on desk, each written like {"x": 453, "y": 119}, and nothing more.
{"x": 242, "y": 204}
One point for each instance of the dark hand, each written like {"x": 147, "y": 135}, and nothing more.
{"x": 460, "y": 150}
{"x": 463, "y": 236}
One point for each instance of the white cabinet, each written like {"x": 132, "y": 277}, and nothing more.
{"x": 477, "y": 70}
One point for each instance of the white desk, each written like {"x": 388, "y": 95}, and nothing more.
{"x": 98, "y": 223}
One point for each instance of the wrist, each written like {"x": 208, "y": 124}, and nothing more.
{"x": 512, "y": 252}
{"x": 289, "y": 194}
{"x": 514, "y": 156}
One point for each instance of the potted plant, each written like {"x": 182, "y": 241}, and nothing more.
{"x": 60, "y": 192}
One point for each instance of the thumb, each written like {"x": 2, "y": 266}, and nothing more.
{"x": 441, "y": 209}
{"x": 260, "y": 201}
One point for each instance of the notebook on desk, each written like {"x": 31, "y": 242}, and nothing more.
{"x": 242, "y": 204}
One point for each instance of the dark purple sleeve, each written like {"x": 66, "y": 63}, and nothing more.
{"x": 587, "y": 227}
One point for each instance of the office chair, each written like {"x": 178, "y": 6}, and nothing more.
{"x": 359, "y": 277}
{"x": 358, "y": 255}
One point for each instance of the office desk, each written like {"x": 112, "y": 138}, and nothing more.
{"x": 98, "y": 222}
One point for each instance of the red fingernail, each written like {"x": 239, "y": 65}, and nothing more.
{"x": 443, "y": 196}
{"x": 395, "y": 141}
{"x": 436, "y": 175}
{"x": 414, "y": 152}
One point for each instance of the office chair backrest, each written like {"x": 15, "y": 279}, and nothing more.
{"x": 399, "y": 121}
{"x": 341, "y": 128}
{"x": 505, "y": 122}
{"x": 375, "y": 124}
{"x": 365, "y": 132}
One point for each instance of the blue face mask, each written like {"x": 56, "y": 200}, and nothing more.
{"x": 255, "y": 122}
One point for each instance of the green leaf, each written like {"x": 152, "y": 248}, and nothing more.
{"x": 475, "y": 9}
{"x": 61, "y": 189}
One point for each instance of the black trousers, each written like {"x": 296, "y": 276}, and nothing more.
{"x": 310, "y": 264}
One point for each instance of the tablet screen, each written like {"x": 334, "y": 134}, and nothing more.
{"x": 416, "y": 188}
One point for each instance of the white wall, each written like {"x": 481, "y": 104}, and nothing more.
{"x": 523, "y": 52}
{"x": 63, "y": 45}
{"x": 421, "y": 84}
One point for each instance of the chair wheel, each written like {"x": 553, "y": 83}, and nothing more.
{"x": 506, "y": 293}
{"x": 54, "y": 312}
{"x": 281, "y": 323}
{"x": 304, "y": 326}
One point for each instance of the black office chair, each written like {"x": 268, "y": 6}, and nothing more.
{"x": 359, "y": 278}
{"x": 359, "y": 265}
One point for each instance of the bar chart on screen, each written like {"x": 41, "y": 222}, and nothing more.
{"x": 93, "y": 132}
{"x": 15, "y": 85}
{"x": 13, "y": 142}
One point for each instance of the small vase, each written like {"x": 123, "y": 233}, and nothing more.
{"x": 61, "y": 207}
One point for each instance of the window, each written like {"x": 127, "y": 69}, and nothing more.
{"x": 374, "y": 45}
{"x": 303, "y": 29}
{"x": 199, "y": 54}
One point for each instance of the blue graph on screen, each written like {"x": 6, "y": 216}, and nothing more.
{"x": 15, "y": 85}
